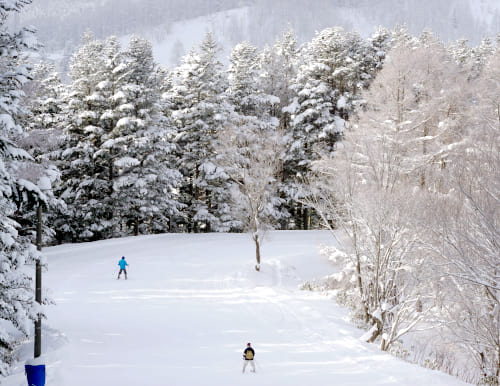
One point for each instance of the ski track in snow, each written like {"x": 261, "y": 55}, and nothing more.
{"x": 191, "y": 304}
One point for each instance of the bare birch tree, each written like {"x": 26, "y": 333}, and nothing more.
{"x": 250, "y": 156}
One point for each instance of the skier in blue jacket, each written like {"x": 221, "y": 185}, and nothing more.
{"x": 122, "y": 263}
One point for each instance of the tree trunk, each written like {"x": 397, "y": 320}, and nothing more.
{"x": 376, "y": 332}
{"x": 305, "y": 218}
{"x": 257, "y": 252}
{"x": 424, "y": 152}
{"x": 110, "y": 176}
{"x": 359, "y": 277}
{"x": 360, "y": 287}
{"x": 136, "y": 226}
{"x": 110, "y": 193}
{"x": 498, "y": 365}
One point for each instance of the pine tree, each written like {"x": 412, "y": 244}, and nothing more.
{"x": 17, "y": 305}
{"x": 245, "y": 91}
{"x": 112, "y": 97}
{"x": 145, "y": 182}
{"x": 199, "y": 110}
{"x": 337, "y": 66}
{"x": 380, "y": 44}
{"x": 335, "y": 71}
{"x": 43, "y": 119}
{"x": 44, "y": 97}
{"x": 43, "y": 139}
{"x": 461, "y": 52}
{"x": 480, "y": 56}
{"x": 278, "y": 66}
{"x": 114, "y": 167}
{"x": 82, "y": 220}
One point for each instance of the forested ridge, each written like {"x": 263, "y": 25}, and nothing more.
{"x": 61, "y": 23}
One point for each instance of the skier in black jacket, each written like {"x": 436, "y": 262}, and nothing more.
{"x": 248, "y": 356}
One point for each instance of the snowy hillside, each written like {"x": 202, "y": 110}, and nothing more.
{"x": 170, "y": 45}
{"x": 176, "y": 25}
{"x": 188, "y": 308}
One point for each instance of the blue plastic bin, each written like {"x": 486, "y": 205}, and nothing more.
{"x": 35, "y": 374}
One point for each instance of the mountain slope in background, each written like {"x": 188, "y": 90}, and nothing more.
{"x": 175, "y": 25}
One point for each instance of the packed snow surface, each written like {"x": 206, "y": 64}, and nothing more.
{"x": 190, "y": 305}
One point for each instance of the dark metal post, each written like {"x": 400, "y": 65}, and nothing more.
{"x": 38, "y": 284}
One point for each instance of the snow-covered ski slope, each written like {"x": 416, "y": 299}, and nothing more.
{"x": 189, "y": 307}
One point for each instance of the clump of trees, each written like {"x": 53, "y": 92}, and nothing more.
{"x": 414, "y": 185}
{"x": 138, "y": 146}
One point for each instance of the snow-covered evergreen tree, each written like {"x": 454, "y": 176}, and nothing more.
{"x": 83, "y": 218}
{"x": 44, "y": 97}
{"x": 278, "y": 66}
{"x": 43, "y": 139}
{"x": 144, "y": 186}
{"x": 327, "y": 84}
{"x": 199, "y": 109}
{"x": 17, "y": 305}
{"x": 245, "y": 91}
{"x": 337, "y": 66}
{"x": 109, "y": 91}
{"x": 380, "y": 44}
{"x": 480, "y": 56}
{"x": 461, "y": 52}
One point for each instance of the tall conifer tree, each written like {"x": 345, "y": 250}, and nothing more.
{"x": 17, "y": 304}
{"x": 145, "y": 183}
{"x": 199, "y": 111}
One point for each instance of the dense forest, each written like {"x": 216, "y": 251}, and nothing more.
{"x": 391, "y": 139}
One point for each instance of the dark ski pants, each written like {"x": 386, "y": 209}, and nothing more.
{"x": 124, "y": 271}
